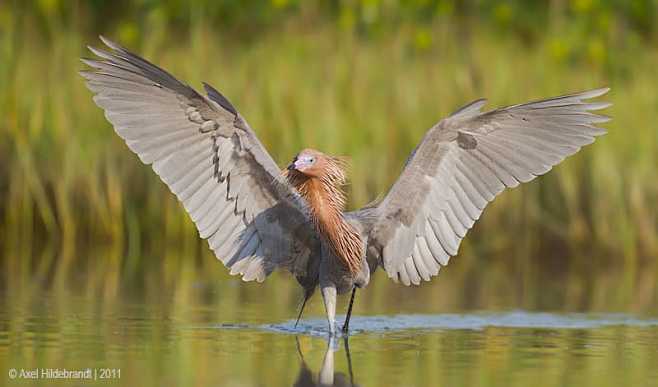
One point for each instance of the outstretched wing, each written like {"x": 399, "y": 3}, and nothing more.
{"x": 209, "y": 157}
{"x": 461, "y": 164}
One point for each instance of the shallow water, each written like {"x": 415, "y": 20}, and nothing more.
{"x": 474, "y": 321}
{"x": 169, "y": 325}
{"x": 490, "y": 349}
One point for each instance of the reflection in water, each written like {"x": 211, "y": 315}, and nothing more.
{"x": 326, "y": 376}
{"x": 182, "y": 324}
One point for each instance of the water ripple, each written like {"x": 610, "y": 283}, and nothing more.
{"x": 517, "y": 319}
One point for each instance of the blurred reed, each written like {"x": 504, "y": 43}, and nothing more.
{"x": 68, "y": 182}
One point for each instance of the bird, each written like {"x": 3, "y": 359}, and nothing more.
{"x": 257, "y": 217}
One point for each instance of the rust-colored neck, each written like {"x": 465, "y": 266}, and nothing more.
{"x": 327, "y": 201}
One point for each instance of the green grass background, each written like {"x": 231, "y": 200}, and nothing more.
{"x": 363, "y": 79}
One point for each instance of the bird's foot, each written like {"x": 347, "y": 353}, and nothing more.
{"x": 332, "y": 329}
{"x": 345, "y": 330}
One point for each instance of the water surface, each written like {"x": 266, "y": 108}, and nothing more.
{"x": 203, "y": 328}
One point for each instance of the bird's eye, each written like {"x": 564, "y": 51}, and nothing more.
{"x": 311, "y": 160}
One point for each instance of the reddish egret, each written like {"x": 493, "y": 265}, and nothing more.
{"x": 257, "y": 218}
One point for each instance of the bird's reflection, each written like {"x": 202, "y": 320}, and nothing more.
{"x": 326, "y": 376}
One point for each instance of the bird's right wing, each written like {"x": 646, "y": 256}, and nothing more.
{"x": 211, "y": 160}
{"x": 461, "y": 164}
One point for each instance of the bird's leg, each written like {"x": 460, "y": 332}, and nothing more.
{"x": 301, "y": 310}
{"x": 346, "y": 326}
{"x": 329, "y": 297}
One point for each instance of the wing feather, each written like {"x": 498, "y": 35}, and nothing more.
{"x": 211, "y": 160}
{"x": 461, "y": 165}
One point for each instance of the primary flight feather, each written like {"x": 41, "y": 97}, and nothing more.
{"x": 257, "y": 218}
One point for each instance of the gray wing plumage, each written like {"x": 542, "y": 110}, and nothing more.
{"x": 461, "y": 164}
{"x": 211, "y": 160}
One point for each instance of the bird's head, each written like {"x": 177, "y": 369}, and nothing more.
{"x": 315, "y": 164}
{"x": 309, "y": 162}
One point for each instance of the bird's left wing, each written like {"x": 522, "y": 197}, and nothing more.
{"x": 461, "y": 164}
{"x": 211, "y": 160}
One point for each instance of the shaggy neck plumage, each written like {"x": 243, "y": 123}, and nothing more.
{"x": 326, "y": 200}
